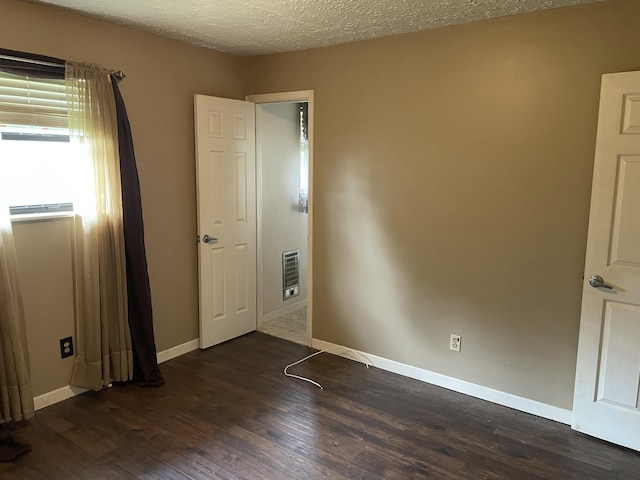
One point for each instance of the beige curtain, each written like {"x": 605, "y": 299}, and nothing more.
{"x": 16, "y": 396}
{"x": 103, "y": 351}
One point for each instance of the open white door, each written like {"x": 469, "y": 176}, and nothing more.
{"x": 606, "y": 398}
{"x": 225, "y": 171}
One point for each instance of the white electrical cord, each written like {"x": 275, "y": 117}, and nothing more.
{"x": 370, "y": 363}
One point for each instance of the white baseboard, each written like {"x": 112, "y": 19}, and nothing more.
{"x": 284, "y": 310}
{"x": 178, "y": 350}
{"x": 55, "y": 396}
{"x": 478, "y": 391}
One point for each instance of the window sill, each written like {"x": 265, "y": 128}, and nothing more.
{"x": 34, "y": 217}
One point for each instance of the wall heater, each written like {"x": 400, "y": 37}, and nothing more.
{"x": 290, "y": 274}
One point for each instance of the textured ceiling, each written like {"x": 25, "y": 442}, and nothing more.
{"x": 255, "y": 27}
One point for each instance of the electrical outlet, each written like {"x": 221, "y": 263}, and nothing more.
{"x": 454, "y": 342}
{"x": 66, "y": 347}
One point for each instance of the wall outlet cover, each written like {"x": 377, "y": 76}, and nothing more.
{"x": 66, "y": 347}
{"x": 454, "y": 342}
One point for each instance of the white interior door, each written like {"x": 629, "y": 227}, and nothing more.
{"x": 607, "y": 390}
{"x": 226, "y": 185}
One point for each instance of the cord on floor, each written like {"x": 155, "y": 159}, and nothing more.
{"x": 355, "y": 352}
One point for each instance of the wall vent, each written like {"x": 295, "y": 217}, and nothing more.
{"x": 290, "y": 274}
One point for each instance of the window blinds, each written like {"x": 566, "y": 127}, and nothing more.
{"x": 28, "y": 101}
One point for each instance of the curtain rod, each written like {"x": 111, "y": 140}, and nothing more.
{"x": 119, "y": 74}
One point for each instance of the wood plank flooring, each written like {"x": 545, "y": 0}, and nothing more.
{"x": 229, "y": 413}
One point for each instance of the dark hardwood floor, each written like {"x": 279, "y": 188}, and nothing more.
{"x": 230, "y": 413}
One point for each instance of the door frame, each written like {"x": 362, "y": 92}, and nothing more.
{"x": 284, "y": 97}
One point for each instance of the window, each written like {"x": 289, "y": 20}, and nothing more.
{"x": 39, "y": 165}
{"x": 36, "y": 156}
{"x": 303, "y": 200}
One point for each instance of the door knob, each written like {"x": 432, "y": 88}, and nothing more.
{"x": 209, "y": 240}
{"x": 596, "y": 281}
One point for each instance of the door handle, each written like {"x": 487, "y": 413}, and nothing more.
{"x": 209, "y": 240}
{"x": 596, "y": 281}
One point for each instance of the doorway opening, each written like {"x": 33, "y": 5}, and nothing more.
{"x": 283, "y": 168}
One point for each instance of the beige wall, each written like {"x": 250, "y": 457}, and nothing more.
{"x": 162, "y": 76}
{"x": 452, "y": 183}
{"x": 284, "y": 228}
{"x": 45, "y": 254}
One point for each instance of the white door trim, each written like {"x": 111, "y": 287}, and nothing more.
{"x": 295, "y": 96}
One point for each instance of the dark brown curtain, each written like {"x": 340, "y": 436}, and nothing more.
{"x": 146, "y": 368}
